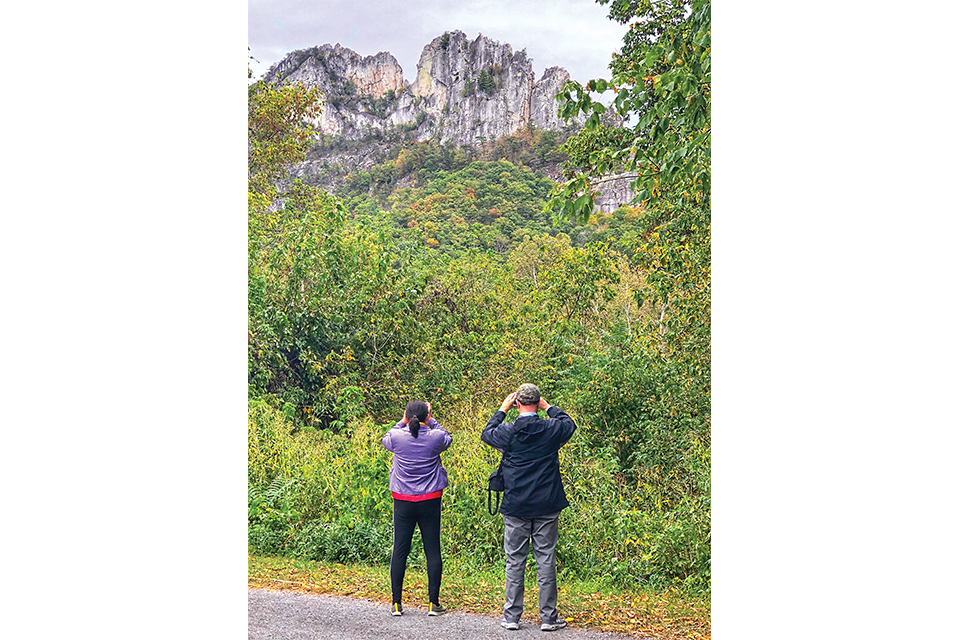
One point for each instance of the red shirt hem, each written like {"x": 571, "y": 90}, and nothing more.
{"x": 420, "y": 498}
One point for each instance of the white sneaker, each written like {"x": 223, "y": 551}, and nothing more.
{"x": 559, "y": 624}
{"x": 513, "y": 626}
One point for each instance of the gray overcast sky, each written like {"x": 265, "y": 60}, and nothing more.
{"x": 573, "y": 34}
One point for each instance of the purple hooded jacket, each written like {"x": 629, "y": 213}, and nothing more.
{"x": 416, "y": 468}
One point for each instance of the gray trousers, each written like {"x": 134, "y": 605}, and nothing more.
{"x": 517, "y": 535}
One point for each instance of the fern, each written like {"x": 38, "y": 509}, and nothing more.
{"x": 277, "y": 488}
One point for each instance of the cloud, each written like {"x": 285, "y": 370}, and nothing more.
{"x": 574, "y": 34}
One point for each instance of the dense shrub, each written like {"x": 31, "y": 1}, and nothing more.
{"x": 342, "y": 541}
{"x": 334, "y": 504}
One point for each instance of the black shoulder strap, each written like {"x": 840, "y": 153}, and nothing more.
{"x": 491, "y": 508}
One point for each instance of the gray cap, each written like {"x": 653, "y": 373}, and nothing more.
{"x": 528, "y": 394}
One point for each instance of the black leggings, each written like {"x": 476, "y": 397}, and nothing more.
{"x": 406, "y": 515}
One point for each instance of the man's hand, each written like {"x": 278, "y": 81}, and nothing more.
{"x": 508, "y": 402}
{"x": 542, "y": 405}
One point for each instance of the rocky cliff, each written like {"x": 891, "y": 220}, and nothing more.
{"x": 465, "y": 91}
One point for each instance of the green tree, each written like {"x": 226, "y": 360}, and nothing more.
{"x": 288, "y": 223}
{"x": 277, "y": 136}
{"x": 486, "y": 82}
{"x": 661, "y": 78}
{"x": 323, "y": 296}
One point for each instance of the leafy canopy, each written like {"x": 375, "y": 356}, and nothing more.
{"x": 661, "y": 78}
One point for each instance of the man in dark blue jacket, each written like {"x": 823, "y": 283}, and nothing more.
{"x": 533, "y": 497}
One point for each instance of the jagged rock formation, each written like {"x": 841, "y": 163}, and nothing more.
{"x": 328, "y": 67}
{"x": 464, "y": 92}
{"x": 349, "y": 82}
{"x": 543, "y": 103}
{"x": 479, "y": 90}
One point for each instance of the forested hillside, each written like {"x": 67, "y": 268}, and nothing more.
{"x": 452, "y": 273}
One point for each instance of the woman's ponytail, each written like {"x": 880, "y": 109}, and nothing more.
{"x": 416, "y": 413}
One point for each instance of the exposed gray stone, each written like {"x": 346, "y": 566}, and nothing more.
{"x": 464, "y": 92}
{"x": 469, "y": 90}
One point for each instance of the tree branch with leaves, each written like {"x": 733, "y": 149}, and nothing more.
{"x": 661, "y": 78}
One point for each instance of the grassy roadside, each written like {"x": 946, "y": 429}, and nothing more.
{"x": 667, "y": 615}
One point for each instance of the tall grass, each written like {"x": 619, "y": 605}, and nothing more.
{"x": 325, "y": 496}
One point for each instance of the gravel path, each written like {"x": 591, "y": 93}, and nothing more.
{"x": 287, "y": 615}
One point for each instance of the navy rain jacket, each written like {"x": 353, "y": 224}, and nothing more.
{"x": 531, "y": 463}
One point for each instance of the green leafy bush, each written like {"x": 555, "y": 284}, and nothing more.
{"x": 335, "y": 505}
{"x": 346, "y": 542}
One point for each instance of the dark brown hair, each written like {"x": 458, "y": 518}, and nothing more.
{"x": 415, "y": 413}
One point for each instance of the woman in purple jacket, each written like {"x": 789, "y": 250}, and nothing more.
{"x": 417, "y": 480}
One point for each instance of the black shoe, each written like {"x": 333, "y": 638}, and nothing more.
{"x": 397, "y": 609}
